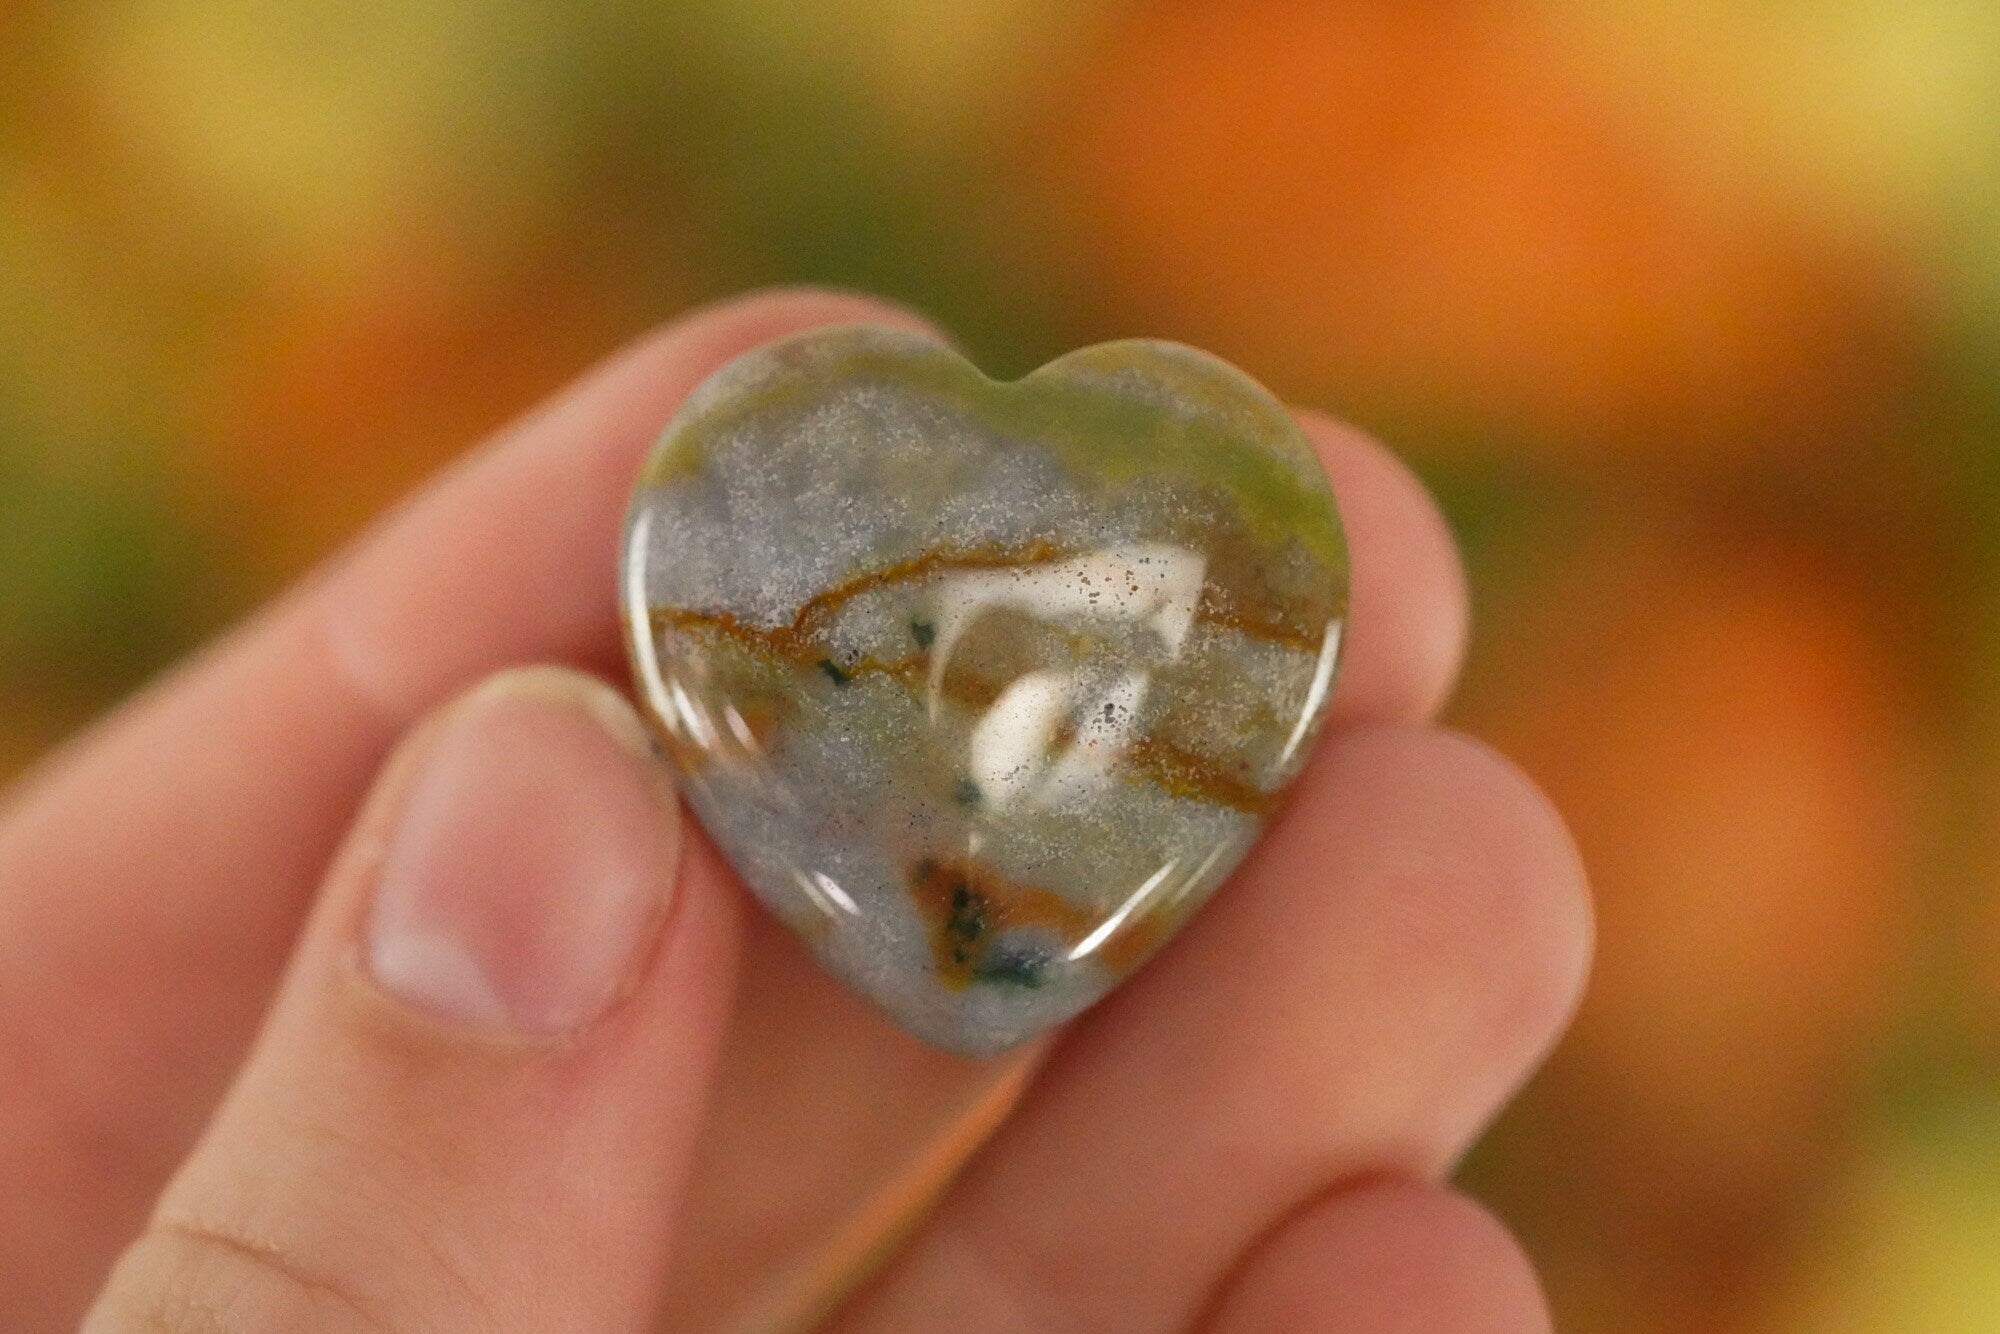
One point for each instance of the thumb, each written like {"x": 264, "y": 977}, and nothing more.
{"x": 474, "y": 1102}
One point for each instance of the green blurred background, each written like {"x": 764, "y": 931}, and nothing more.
{"x": 1688, "y": 309}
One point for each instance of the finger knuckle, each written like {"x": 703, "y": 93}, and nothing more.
{"x": 185, "y": 1276}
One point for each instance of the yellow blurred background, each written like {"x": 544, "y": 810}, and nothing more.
{"x": 1688, "y": 309}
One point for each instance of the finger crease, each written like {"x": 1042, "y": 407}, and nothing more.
{"x": 347, "y": 666}
{"x": 272, "y": 1259}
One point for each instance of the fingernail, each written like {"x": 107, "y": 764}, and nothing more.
{"x": 528, "y": 861}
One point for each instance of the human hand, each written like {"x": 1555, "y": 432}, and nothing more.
{"x": 497, "y": 1045}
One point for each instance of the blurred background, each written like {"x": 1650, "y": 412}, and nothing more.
{"x": 1688, "y": 309}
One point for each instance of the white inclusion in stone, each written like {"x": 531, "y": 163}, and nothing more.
{"x": 1100, "y": 740}
{"x": 1011, "y": 740}
{"x": 1149, "y": 583}
{"x": 1152, "y": 584}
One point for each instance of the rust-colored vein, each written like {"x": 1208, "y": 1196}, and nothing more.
{"x": 822, "y": 606}
{"x": 1185, "y": 773}
{"x": 1267, "y": 624}
{"x": 1174, "y": 768}
{"x": 796, "y": 641}
{"x": 785, "y": 644}
{"x": 792, "y": 640}
{"x": 967, "y": 906}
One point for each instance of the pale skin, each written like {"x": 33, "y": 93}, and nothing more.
{"x": 219, "y": 1114}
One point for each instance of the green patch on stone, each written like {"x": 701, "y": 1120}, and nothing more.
{"x": 1097, "y": 409}
{"x": 966, "y": 924}
{"x": 835, "y": 673}
{"x": 1015, "y": 966}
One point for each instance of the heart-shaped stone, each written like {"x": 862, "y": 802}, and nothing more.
{"x": 983, "y": 686}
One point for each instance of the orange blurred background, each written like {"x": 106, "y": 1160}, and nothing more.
{"x": 1688, "y": 309}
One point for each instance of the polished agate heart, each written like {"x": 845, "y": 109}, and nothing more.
{"x": 983, "y": 686}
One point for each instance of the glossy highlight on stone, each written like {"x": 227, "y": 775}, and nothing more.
{"x": 983, "y": 686}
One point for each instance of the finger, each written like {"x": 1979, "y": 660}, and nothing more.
{"x": 1407, "y": 618}
{"x": 808, "y": 1063}
{"x": 1384, "y": 1258}
{"x": 152, "y": 879}
{"x": 473, "y": 1104}
{"x": 1386, "y": 967}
